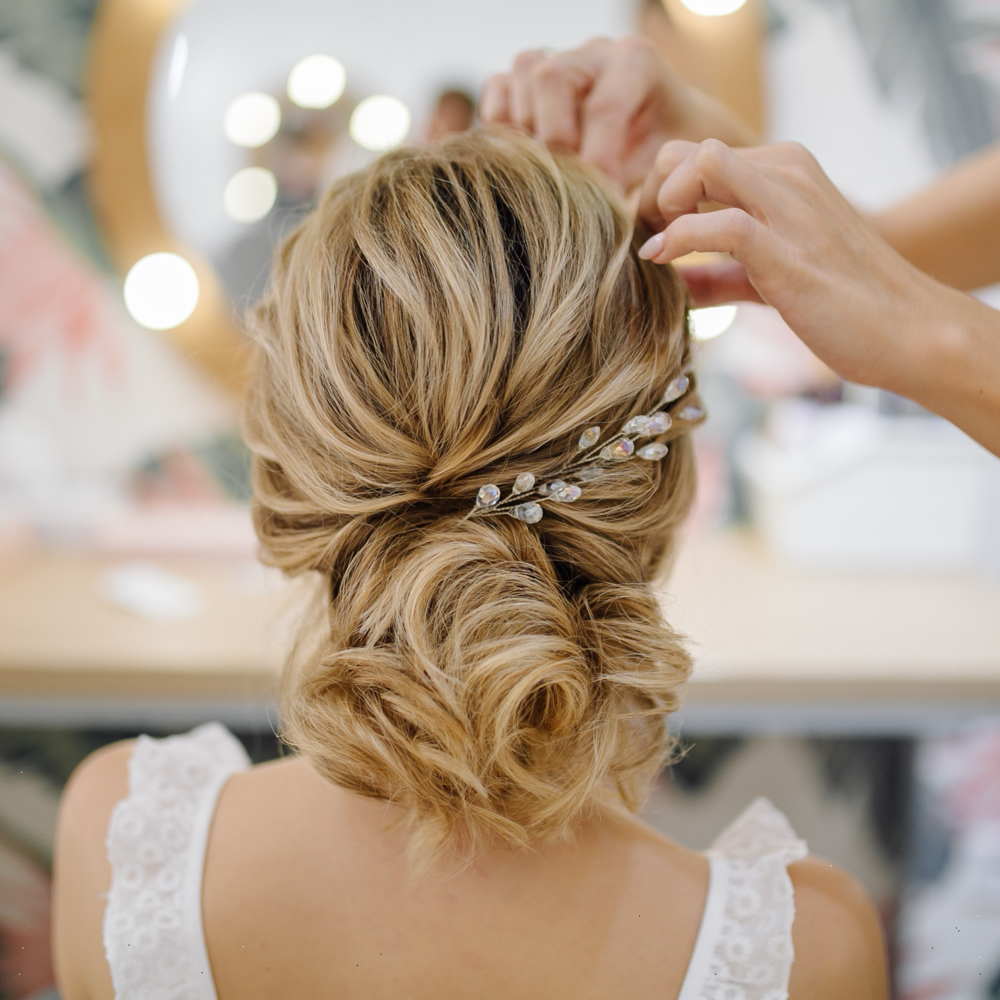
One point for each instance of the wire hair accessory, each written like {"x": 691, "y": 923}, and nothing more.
{"x": 594, "y": 458}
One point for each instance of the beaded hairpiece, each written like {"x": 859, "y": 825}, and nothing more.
{"x": 593, "y": 458}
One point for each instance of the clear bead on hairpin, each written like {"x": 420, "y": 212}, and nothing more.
{"x": 566, "y": 494}
{"x": 530, "y": 513}
{"x": 652, "y": 452}
{"x": 676, "y": 389}
{"x": 588, "y": 473}
{"x": 487, "y": 496}
{"x": 618, "y": 450}
{"x": 589, "y": 438}
{"x": 637, "y": 425}
{"x": 659, "y": 422}
{"x": 692, "y": 412}
{"x": 550, "y": 488}
{"x": 524, "y": 482}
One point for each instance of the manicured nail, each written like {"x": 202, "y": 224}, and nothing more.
{"x": 652, "y": 247}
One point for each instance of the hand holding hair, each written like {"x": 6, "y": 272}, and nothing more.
{"x": 864, "y": 310}
{"x": 613, "y": 101}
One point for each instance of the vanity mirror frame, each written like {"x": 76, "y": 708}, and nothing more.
{"x": 123, "y": 46}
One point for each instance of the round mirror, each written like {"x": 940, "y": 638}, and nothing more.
{"x": 255, "y": 106}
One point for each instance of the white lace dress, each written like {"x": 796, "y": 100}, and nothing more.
{"x": 158, "y": 835}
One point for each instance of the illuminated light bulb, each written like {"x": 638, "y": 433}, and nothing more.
{"x": 316, "y": 82}
{"x": 710, "y": 322}
{"x": 379, "y": 123}
{"x": 161, "y": 291}
{"x": 252, "y": 119}
{"x": 250, "y": 194}
{"x": 713, "y": 8}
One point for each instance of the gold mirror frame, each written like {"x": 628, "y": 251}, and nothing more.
{"x": 123, "y": 44}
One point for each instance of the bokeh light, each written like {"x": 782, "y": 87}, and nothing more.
{"x": 710, "y": 322}
{"x": 250, "y": 194}
{"x": 161, "y": 291}
{"x": 252, "y": 119}
{"x": 379, "y": 123}
{"x": 316, "y": 81}
{"x": 713, "y": 8}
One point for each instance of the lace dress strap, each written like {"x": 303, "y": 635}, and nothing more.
{"x": 156, "y": 843}
{"x": 744, "y": 947}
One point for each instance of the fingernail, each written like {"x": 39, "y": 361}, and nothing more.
{"x": 652, "y": 247}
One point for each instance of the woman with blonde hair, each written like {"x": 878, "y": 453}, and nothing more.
{"x": 470, "y": 424}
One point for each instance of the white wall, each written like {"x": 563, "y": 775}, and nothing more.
{"x": 822, "y": 93}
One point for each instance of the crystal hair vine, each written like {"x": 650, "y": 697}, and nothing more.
{"x": 594, "y": 458}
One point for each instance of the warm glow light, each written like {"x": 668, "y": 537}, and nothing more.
{"x": 316, "y": 81}
{"x": 161, "y": 291}
{"x": 713, "y": 8}
{"x": 250, "y": 194}
{"x": 379, "y": 123}
{"x": 252, "y": 119}
{"x": 710, "y": 322}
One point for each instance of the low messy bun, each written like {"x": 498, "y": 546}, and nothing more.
{"x": 449, "y": 317}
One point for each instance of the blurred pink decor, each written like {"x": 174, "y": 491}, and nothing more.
{"x": 48, "y": 299}
{"x": 87, "y": 396}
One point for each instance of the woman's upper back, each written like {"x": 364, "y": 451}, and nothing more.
{"x": 307, "y": 893}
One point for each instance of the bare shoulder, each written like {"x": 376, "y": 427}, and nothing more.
{"x": 97, "y": 784}
{"x": 837, "y": 935}
{"x": 82, "y": 873}
{"x": 88, "y": 800}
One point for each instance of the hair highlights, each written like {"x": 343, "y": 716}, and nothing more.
{"x": 448, "y": 317}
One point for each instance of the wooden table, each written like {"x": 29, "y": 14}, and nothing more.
{"x": 70, "y": 657}
{"x": 797, "y": 651}
{"x": 778, "y": 649}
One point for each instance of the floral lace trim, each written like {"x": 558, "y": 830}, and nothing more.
{"x": 752, "y": 954}
{"x": 152, "y": 924}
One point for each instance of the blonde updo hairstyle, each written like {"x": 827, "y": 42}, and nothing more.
{"x": 449, "y": 317}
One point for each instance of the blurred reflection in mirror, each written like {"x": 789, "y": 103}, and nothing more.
{"x": 454, "y": 111}
{"x": 309, "y": 149}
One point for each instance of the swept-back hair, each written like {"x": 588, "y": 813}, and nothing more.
{"x": 448, "y": 317}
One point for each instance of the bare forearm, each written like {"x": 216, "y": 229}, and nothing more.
{"x": 870, "y": 315}
{"x": 952, "y": 362}
{"x": 951, "y": 230}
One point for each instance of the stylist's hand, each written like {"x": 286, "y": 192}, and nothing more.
{"x": 614, "y": 102}
{"x": 797, "y": 245}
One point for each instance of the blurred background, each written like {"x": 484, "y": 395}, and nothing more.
{"x": 841, "y": 578}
